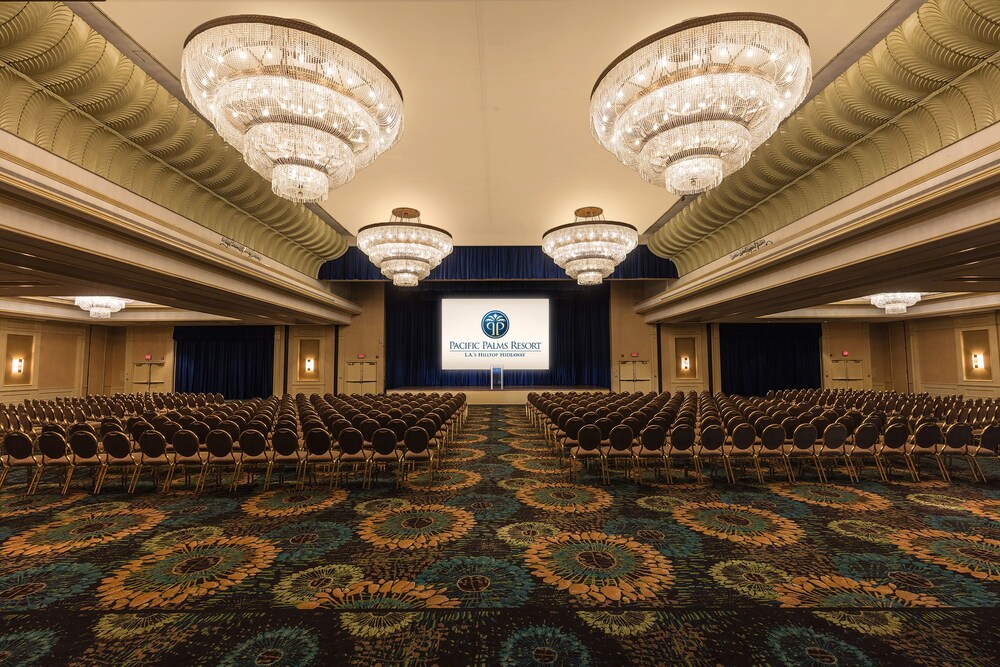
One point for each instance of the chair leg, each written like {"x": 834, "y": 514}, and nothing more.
{"x": 69, "y": 477}
{"x": 199, "y": 486}
{"x": 943, "y": 468}
{"x": 3, "y": 476}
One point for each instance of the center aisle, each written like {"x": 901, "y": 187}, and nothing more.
{"x": 502, "y": 561}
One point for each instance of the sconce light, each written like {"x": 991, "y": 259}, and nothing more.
{"x": 685, "y": 363}
{"x": 17, "y": 366}
{"x": 977, "y": 360}
{"x": 310, "y": 364}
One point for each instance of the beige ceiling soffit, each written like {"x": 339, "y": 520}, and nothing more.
{"x": 876, "y": 31}
{"x": 69, "y": 91}
{"x": 933, "y": 81}
{"x": 122, "y": 41}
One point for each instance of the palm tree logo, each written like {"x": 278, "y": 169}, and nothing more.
{"x": 495, "y": 324}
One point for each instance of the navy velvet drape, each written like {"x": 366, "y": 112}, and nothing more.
{"x": 759, "y": 357}
{"x": 237, "y": 362}
{"x": 499, "y": 263}
{"x": 579, "y": 333}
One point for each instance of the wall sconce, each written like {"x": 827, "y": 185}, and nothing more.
{"x": 685, "y": 363}
{"x": 978, "y": 362}
{"x": 310, "y": 364}
{"x": 17, "y": 366}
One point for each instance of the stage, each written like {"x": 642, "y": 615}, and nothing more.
{"x": 485, "y": 396}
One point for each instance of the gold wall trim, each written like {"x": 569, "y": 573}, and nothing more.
{"x": 931, "y": 82}
{"x": 69, "y": 91}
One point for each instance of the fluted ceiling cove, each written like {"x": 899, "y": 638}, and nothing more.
{"x": 69, "y": 91}
{"x": 932, "y": 81}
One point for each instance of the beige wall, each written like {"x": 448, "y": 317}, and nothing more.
{"x": 630, "y": 334}
{"x": 304, "y": 342}
{"x": 853, "y": 371}
{"x": 57, "y": 365}
{"x": 364, "y": 335}
{"x": 677, "y": 341}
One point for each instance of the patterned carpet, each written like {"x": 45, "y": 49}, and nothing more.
{"x": 503, "y": 561}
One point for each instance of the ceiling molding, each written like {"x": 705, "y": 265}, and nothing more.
{"x": 72, "y": 93}
{"x": 933, "y": 81}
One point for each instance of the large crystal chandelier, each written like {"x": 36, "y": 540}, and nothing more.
{"x": 403, "y": 248}
{"x": 688, "y": 105}
{"x": 895, "y": 303}
{"x": 591, "y": 247}
{"x": 306, "y": 108}
{"x": 101, "y": 307}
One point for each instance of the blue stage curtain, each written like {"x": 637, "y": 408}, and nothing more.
{"x": 759, "y": 357}
{"x": 579, "y": 335}
{"x": 237, "y": 362}
{"x": 500, "y": 263}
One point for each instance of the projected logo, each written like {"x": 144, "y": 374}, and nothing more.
{"x": 495, "y": 324}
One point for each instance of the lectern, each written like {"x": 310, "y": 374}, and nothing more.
{"x": 496, "y": 377}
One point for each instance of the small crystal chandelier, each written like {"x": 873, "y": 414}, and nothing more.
{"x": 101, "y": 307}
{"x": 306, "y": 109}
{"x": 405, "y": 250}
{"x": 591, "y": 247}
{"x": 895, "y": 303}
{"x": 687, "y": 106}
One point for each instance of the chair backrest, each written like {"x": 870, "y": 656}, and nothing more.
{"x": 653, "y": 437}
{"x": 896, "y": 436}
{"x": 384, "y": 441}
{"x": 186, "y": 443}
{"x": 927, "y": 436}
{"x": 589, "y": 437}
{"x": 682, "y": 437}
{"x": 17, "y": 445}
{"x": 713, "y": 437}
{"x": 743, "y": 437}
{"x": 621, "y": 438}
{"x": 231, "y": 427}
{"x": 368, "y": 428}
{"x": 789, "y": 424}
{"x": 137, "y": 429}
{"x": 605, "y": 425}
{"x": 415, "y": 439}
{"x": 52, "y": 445}
{"x": 252, "y": 442}
{"x": 773, "y": 437}
{"x": 398, "y": 426}
{"x": 573, "y": 426}
{"x": 835, "y": 436}
{"x": 83, "y": 444}
{"x": 152, "y": 444}
{"x": 318, "y": 441}
{"x": 116, "y": 444}
{"x": 804, "y": 437}
{"x": 990, "y": 438}
{"x": 958, "y": 435}
{"x": 219, "y": 443}
{"x": 285, "y": 441}
{"x": 866, "y": 437}
{"x": 351, "y": 441}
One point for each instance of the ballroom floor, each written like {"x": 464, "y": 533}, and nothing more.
{"x": 503, "y": 561}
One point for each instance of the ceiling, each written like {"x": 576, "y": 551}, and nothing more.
{"x": 496, "y": 146}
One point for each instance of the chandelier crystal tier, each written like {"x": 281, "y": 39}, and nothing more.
{"x": 306, "y": 108}
{"x": 590, "y": 248}
{"x": 101, "y": 307}
{"x": 404, "y": 249}
{"x": 687, "y": 106}
{"x": 895, "y": 303}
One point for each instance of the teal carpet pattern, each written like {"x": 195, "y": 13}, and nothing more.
{"x": 501, "y": 560}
